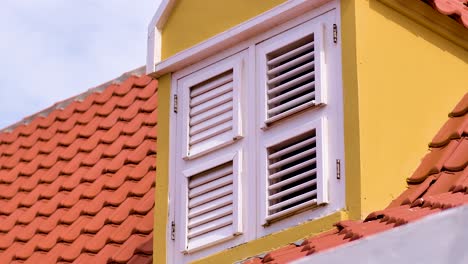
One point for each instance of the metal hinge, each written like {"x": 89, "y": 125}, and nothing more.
{"x": 338, "y": 169}
{"x": 335, "y": 33}
{"x": 175, "y": 103}
{"x": 173, "y": 230}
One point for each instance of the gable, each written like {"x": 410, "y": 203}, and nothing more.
{"x": 190, "y": 22}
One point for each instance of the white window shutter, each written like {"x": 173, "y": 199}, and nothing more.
{"x": 290, "y": 71}
{"x": 211, "y": 203}
{"x": 296, "y": 179}
{"x": 210, "y": 107}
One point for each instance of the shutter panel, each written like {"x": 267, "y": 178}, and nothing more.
{"x": 292, "y": 175}
{"x": 290, "y": 67}
{"x": 291, "y": 79}
{"x": 211, "y": 112}
{"x": 211, "y": 206}
{"x": 210, "y": 106}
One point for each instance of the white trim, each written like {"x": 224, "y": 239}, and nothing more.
{"x": 155, "y": 28}
{"x": 281, "y": 14}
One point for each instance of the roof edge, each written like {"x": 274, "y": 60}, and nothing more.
{"x": 398, "y": 245}
{"x": 80, "y": 97}
{"x": 430, "y": 18}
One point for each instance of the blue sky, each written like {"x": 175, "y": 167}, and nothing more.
{"x": 53, "y": 49}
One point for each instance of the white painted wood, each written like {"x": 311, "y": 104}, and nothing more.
{"x": 210, "y": 106}
{"x": 155, "y": 27}
{"x": 324, "y": 114}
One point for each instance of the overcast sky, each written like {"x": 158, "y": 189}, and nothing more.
{"x": 54, "y": 49}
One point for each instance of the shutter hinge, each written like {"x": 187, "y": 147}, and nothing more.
{"x": 175, "y": 103}
{"x": 338, "y": 169}
{"x": 335, "y": 33}
{"x": 173, "y": 230}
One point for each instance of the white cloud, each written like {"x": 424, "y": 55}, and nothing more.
{"x": 51, "y": 50}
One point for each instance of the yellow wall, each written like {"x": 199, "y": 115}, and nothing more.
{"x": 162, "y": 171}
{"x": 193, "y": 21}
{"x": 409, "y": 78}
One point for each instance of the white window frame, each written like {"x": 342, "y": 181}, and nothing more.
{"x": 332, "y": 123}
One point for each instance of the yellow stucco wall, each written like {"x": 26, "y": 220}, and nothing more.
{"x": 193, "y": 21}
{"x": 409, "y": 78}
{"x": 162, "y": 171}
{"x": 400, "y": 80}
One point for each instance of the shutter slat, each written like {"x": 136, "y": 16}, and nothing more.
{"x": 216, "y": 92}
{"x": 210, "y": 186}
{"x": 227, "y": 97}
{"x": 291, "y": 210}
{"x": 292, "y": 180}
{"x": 292, "y": 159}
{"x": 290, "y": 112}
{"x": 221, "y": 109}
{"x": 210, "y": 216}
{"x": 207, "y": 197}
{"x": 293, "y": 200}
{"x": 292, "y": 148}
{"x": 292, "y": 93}
{"x": 210, "y": 206}
{"x": 290, "y": 54}
{"x": 210, "y": 123}
{"x": 223, "y": 79}
{"x": 211, "y": 238}
{"x": 292, "y": 169}
{"x": 213, "y": 175}
{"x": 291, "y": 73}
{"x": 288, "y": 105}
{"x": 209, "y": 133}
{"x": 210, "y": 226}
{"x": 291, "y": 190}
{"x": 299, "y": 60}
{"x": 280, "y": 88}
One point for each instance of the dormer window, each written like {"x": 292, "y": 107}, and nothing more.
{"x": 257, "y": 135}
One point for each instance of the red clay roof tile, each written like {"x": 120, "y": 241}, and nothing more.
{"x": 78, "y": 184}
{"x": 440, "y": 182}
{"x": 458, "y": 9}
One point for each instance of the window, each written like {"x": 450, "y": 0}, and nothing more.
{"x": 258, "y": 132}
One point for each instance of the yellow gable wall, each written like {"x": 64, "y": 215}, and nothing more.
{"x": 409, "y": 78}
{"x": 193, "y": 21}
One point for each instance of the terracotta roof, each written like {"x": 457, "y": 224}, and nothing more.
{"x": 440, "y": 182}
{"x": 456, "y": 9}
{"x": 78, "y": 184}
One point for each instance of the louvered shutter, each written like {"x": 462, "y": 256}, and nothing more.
{"x": 212, "y": 204}
{"x": 295, "y": 178}
{"x": 211, "y": 107}
{"x": 290, "y": 69}
{"x": 292, "y": 179}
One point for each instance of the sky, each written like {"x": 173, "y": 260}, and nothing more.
{"x": 51, "y": 50}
